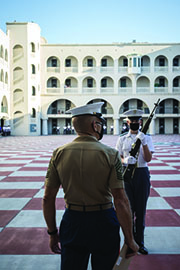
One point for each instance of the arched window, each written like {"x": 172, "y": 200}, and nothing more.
{"x": 1, "y": 51}
{"x": 33, "y": 91}
{"x": 32, "y": 47}
{"x": 6, "y": 78}
{"x": 33, "y": 69}
{"x": 6, "y": 55}
{"x": 33, "y": 114}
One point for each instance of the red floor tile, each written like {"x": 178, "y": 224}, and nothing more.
{"x": 173, "y": 201}
{"x": 162, "y": 218}
{"x": 172, "y": 183}
{"x": 17, "y": 193}
{"x": 155, "y": 262}
{"x": 24, "y": 241}
{"x": 6, "y": 216}
{"x": 24, "y": 179}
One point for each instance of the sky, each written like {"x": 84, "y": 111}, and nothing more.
{"x": 97, "y": 21}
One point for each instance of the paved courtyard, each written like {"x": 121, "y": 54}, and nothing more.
{"x": 23, "y": 236}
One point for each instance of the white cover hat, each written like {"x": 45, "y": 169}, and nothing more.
{"x": 89, "y": 109}
{"x": 133, "y": 113}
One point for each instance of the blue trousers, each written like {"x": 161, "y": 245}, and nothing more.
{"x": 89, "y": 233}
{"x": 138, "y": 190}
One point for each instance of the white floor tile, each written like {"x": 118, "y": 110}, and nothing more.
{"x": 8, "y": 169}
{"x": 161, "y": 168}
{"x": 165, "y": 177}
{"x": 13, "y": 203}
{"x": 32, "y": 219}
{"x": 157, "y": 203}
{"x": 28, "y": 173}
{"x": 162, "y": 240}
{"x": 37, "y": 165}
{"x": 21, "y": 185}
{"x": 40, "y": 193}
{"x": 168, "y": 191}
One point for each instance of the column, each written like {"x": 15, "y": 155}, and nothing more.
{"x": 44, "y": 127}
{"x": 152, "y": 126}
{"x": 116, "y": 126}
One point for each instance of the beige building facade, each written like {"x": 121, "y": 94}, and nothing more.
{"x": 39, "y": 82}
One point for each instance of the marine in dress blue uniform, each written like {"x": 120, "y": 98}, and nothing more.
{"x": 138, "y": 188}
{"x": 90, "y": 174}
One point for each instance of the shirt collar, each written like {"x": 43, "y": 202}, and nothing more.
{"x": 86, "y": 138}
{"x": 129, "y": 133}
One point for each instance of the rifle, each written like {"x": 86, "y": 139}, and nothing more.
{"x": 129, "y": 170}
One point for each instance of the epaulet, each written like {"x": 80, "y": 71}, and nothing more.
{"x": 123, "y": 134}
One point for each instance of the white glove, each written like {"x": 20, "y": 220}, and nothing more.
{"x": 142, "y": 138}
{"x": 130, "y": 160}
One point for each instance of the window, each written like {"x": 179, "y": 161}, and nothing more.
{"x": 126, "y": 106}
{"x": 54, "y": 82}
{"x": 161, "y": 82}
{"x": 104, "y": 62}
{"x": 175, "y": 106}
{"x": 161, "y": 62}
{"x": 123, "y": 83}
{"x": 33, "y": 91}
{"x": 68, "y": 82}
{"x": 125, "y": 62}
{"x": 33, "y": 69}
{"x": 89, "y": 82}
{"x": 90, "y": 62}
{"x": 139, "y": 104}
{"x": 68, "y": 105}
{"x": 104, "y": 83}
{"x": 32, "y": 47}
{"x": 176, "y": 82}
{"x": 54, "y": 62}
{"x": 33, "y": 115}
{"x": 175, "y": 62}
{"x": 68, "y": 63}
{"x": 161, "y": 126}
{"x": 134, "y": 62}
{"x": 139, "y": 62}
{"x": 161, "y": 107}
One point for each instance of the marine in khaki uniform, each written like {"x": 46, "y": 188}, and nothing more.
{"x": 91, "y": 177}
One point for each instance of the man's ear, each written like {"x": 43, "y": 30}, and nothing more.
{"x": 94, "y": 125}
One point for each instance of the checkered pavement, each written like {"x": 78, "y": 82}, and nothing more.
{"x": 23, "y": 236}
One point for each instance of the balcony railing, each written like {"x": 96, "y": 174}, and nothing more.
{"x": 168, "y": 110}
{"x": 3, "y": 109}
{"x": 125, "y": 90}
{"x": 89, "y": 69}
{"x": 89, "y": 90}
{"x": 71, "y": 69}
{"x": 70, "y": 90}
{"x": 107, "y": 90}
{"x": 176, "y": 69}
{"x": 122, "y": 69}
{"x": 161, "y": 69}
{"x": 161, "y": 90}
{"x": 145, "y": 69}
{"x": 53, "y": 69}
{"x": 53, "y": 90}
{"x": 143, "y": 90}
{"x": 107, "y": 69}
{"x": 176, "y": 89}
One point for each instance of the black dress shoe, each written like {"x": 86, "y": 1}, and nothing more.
{"x": 143, "y": 250}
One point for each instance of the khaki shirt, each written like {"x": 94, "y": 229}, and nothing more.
{"x": 87, "y": 171}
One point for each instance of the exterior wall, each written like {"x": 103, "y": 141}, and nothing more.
{"x": 24, "y": 52}
{"x": 4, "y": 80}
{"x": 125, "y": 76}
